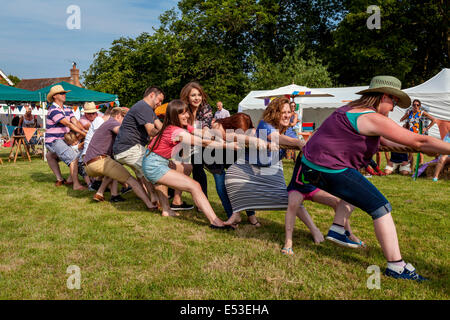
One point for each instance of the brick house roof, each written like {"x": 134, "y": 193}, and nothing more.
{"x": 36, "y": 84}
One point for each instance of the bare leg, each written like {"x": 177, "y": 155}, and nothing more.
{"x": 139, "y": 191}
{"x": 52, "y": 161}
{"x": 182, "y": 182}
{"x": 163, "y": 196}
{"x": 439, "y": 166}
{"x": 387, "y": 237}
{"x": 74, "y": 174}
{"x": 113, "y": 187}
{"x": 186, "y": 169}
{"x": 342, "y": 209}
{"x": 303, "y": 214}
{"x": 87, "y": 180}
{"x": 105, "y": 182}
{"x": 148, "y": 187}
{"x": 295, "y": 208}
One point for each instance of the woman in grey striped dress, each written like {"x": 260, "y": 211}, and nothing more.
{"x": 257, "y": 182}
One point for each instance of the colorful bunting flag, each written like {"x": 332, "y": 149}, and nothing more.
{"x": 20, "y": 108}
{"x": 12, "y": 108}
{"x": 29, "y": 132}
{"x": 75, "y": 108}
{"x": 5, "y": 108}
{"x": 10, "y": 130}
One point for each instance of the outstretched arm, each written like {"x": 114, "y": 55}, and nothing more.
{"x": 375, "y": 124}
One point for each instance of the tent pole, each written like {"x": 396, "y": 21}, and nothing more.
{"x": 44, "y": 125}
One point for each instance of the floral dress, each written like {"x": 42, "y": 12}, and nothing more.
{"x": 414, "y": 119}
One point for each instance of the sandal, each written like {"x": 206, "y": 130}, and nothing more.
{"x": 257, "y": 224}
{"x": 287, "y": 251}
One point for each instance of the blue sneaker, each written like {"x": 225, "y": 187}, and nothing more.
{"x": 341, "y": 239}
{"x": 407, "y": 272}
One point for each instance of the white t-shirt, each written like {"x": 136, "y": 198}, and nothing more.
{"x": 94, "y": 126}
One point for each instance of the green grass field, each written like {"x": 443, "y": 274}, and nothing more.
{"x": 125, "y": 252}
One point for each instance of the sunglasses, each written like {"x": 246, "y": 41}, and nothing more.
{"x": 416, "y": 104}
{"x": 394, "y": 101}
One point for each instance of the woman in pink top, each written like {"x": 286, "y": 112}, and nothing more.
{"x": 156, "y": 169}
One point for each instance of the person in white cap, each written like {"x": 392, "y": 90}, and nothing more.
{"x": 60, "y": 120}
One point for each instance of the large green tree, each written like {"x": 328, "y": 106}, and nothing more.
{"x": 225, "y": 45}
{"x": 412, "y": 43}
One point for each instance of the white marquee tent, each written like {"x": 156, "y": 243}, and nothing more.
{"x": 434, "y": 95}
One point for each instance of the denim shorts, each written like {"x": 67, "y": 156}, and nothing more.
{"x": 351, "y": 186}
{"x": 154, "y": 166}
{"x": 64, "y": 152}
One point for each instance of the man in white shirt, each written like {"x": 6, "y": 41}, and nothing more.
{"x": 221, "y": 112}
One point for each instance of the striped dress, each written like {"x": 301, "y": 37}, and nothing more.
{"x": 257, "y": 187}
{"x": 251, "y": 187}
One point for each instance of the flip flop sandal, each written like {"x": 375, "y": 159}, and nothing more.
{"x": 287, "y": 251}
{"x": 256, "y": 224}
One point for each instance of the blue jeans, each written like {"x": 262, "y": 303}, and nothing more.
{"x": 223, "y": 195}
{"x": 350, "y": 186}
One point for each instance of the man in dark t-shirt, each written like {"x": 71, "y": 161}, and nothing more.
{"x": 138, "y": 126}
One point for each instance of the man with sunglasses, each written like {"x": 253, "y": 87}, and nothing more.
{"x": 60, "y": 120}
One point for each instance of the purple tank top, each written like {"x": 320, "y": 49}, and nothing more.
{"x": 337, "y": 145}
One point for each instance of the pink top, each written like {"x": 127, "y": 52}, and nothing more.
{"x": 84, "y": 121}
{"x": 167, "y": 142}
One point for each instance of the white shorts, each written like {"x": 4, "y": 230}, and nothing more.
{"x": 133, "y": 158}
{"x": 406, "y": 168}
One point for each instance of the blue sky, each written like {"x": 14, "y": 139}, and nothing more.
{"x": 36, "y": 43}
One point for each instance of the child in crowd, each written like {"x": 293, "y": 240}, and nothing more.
{"x": 156, "y": 169}
{"x": 73, "y": 140}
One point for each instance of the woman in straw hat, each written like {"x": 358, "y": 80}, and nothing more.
{"x": 344, "y": 143}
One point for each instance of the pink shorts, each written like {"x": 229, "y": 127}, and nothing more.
{"x": 307, "y": 196}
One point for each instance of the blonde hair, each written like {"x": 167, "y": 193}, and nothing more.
{"x": 368, "y": 100}
{"x": 118, "y": 110}
{"x": 70, "y": 138}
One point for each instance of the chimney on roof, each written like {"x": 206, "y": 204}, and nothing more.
{"x": 75, "y": 75}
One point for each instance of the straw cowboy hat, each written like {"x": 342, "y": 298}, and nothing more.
{"x": 90, "y": 107}
{"x": 55, "y": 90}
{"x": 389, "y": 85}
